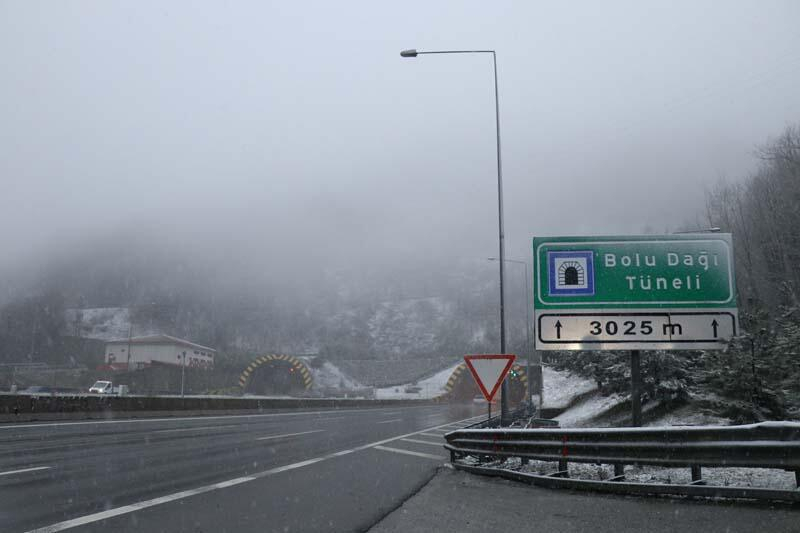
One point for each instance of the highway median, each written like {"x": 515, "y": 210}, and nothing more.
{"x": 29, "y": 408}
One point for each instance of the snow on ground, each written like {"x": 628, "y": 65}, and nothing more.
{"x": 588, "y": 409}
{"x": 689, "y": 415}
{"x": 736, "y": 477}
{"x": 561, "y": 387}
{"x": 329, "y": 376}
{"x": 428, "y": 387}
{"x": 722, "y": 477}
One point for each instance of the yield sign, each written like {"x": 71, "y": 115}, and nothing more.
{"x": 489, "y": 371}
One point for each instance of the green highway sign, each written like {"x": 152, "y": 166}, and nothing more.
{"x": 643, "y": 292}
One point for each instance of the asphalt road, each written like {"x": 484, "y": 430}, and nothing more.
{"x": 475, "y": 504}
{"x": 312, "y": 470}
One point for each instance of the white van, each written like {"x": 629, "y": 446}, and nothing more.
{"x": 102, "y": 387}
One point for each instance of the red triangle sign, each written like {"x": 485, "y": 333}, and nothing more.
{"x": 489, "y": 371}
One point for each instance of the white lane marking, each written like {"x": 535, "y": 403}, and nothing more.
{"x": 388, "y": 421}
{"x": 103, "y": 515}
{"x": 409, "y": 452}
{"x": 138, "y": 506}
{"x": 270, "y": 437}
{"x": 393, "y": 413}
{"x": 437, "y": 435}
{"x": 196, "y": 418}
{"x": 192, "y": 429}
{"x": 10, "y": 472}
{"x": 439, "y": 444}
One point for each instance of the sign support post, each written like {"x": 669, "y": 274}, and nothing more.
{"x": 636, "y": 389}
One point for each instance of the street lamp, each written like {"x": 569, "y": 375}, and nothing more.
{"x": 183, "y": 372}
{"x": 501, "y": 235}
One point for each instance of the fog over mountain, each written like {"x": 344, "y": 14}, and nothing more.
{"x": 283, "y": 155}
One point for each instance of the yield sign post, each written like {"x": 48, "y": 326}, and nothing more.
{"x": 489, "y": 371}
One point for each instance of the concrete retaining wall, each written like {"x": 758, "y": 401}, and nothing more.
{"x": 25, "y": 408}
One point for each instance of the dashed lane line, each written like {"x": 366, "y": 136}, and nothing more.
{"x": 23, "y": 470}
{"x": 125, "y": 509}
{"x": 271, "y": 437}
{"x": 193, "y": 429}
{"x": 389, "y": 421}
{"x": 439, "y": 444}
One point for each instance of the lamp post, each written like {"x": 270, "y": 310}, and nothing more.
{"x": 501, "y": 233}
{"x": 183, "y": 371}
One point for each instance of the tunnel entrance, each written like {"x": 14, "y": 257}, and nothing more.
{"x": 282, "y": 375}
{"x": 462, "y": 387}
{"x": 276, "y": 377}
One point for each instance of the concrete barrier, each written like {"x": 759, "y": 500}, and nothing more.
{"x": 26, "y": 408}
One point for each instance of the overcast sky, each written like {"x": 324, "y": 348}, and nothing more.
{"x": 294, "y": 131}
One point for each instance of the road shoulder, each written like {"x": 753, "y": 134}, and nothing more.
{"x": 456, "y": 501}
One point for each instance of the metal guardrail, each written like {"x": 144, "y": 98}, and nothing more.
{"x": 765, "y": 445}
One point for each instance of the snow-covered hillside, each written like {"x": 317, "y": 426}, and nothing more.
{"x": 561, "y": 387}
{"x": 103, "y": 323}
{"x": 328, "y": 376}
{"x": 408, "y": 325}
{"x": 426, "y": 388}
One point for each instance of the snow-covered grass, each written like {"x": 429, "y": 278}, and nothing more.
{"x": 689, "y": 415}
{"x": 736, "y": 477}
{"x": 588, "y": 409}
{"x": 561, "y": 387}
{"x": 428, "y": 388}
{"x": 722, "y": 477}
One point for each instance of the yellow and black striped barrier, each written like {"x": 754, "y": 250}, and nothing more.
{"x": 298, "y": 365}
{"x": 517, "y": 372}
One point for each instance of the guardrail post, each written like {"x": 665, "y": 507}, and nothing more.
{"x": 619, "y": 472}
{"x": 797, "y": 478}
{"x": 636, "y": 389}
{"x": 697, "y": 477}
{"x": 563, "y": 469}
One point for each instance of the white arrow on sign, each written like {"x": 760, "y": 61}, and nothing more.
{"x": 489, "y": 371}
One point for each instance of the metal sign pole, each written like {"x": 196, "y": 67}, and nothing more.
{"x": 636, "y": 389}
